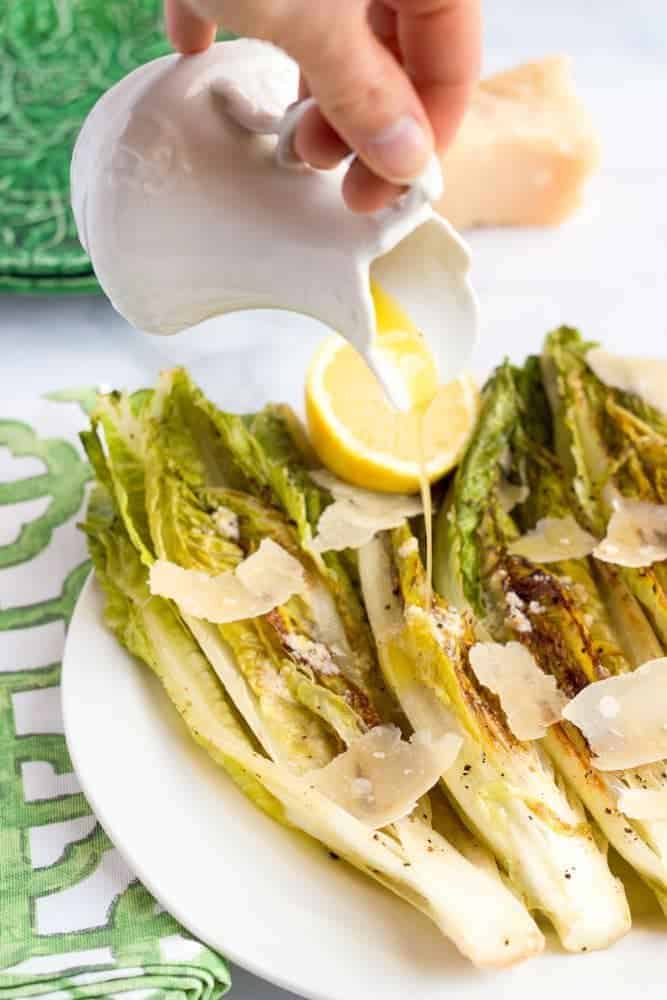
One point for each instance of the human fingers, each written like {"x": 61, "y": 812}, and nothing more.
{"x": 188, "y": 31}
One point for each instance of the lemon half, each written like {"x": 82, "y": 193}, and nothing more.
{"x": 357, "y": 433}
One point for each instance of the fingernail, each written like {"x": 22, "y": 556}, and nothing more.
{"x": 400, "y": 150}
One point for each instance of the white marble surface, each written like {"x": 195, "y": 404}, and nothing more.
{"x": 604, "y": 271}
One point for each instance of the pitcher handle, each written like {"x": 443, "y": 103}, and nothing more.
{"x": 425, "y": 189}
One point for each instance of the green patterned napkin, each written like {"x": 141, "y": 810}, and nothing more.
{"x": 74, "y": 923}
{"x": 56, "y": 58}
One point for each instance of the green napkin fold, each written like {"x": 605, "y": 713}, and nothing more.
{"x": 74, "y": 922}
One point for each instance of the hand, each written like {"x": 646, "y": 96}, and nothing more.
{"x": 391, "y": 77}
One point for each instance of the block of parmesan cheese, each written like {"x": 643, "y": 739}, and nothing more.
{"x": 524, "y": 150}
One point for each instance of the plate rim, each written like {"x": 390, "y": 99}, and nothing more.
{"x": 89, "y": 603}
{"x": 230, "y": 955}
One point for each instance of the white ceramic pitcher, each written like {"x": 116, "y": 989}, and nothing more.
{"x": 190, "y": 203}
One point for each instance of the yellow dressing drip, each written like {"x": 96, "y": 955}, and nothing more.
{"x": 425, "y": 490}
{"x": 405, "y": 349}
{"x": 403, "y": 344}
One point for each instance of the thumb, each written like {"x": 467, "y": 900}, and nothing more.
{"x": 363, "y": 93}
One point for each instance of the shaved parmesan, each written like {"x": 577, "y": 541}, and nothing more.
{"x": 516, "y": 616}
{"x": 511, "y": 494}
{"x": 380, "y": 777}
{"x": 314, "y": 654}
{"x": 271, "y": 571}
{"x": 227, "y": 523}
{"x": 529, "y": 698}
{"x": 344, "y": 526}
{"x": 267, "y": 578}
{"x": 645, "y": 377}
{"x": 554, "y": 539}
{"x": 357, "y": 515}
{"x": 609, "y": 707}
{"x": 636, "y": 534}
{"x": 643, "y": 803}
{"x": 624, "y": 718}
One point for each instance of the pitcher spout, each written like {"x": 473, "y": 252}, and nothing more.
{"x": 427, "y": 272}
{"x": 186, "y": 202}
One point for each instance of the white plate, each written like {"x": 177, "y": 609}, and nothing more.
{"x": 267, "y": 899}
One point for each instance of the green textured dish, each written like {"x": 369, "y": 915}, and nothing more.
{"x": 56, "y": 58}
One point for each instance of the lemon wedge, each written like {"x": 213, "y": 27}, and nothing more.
{"x": 356, "y": 432}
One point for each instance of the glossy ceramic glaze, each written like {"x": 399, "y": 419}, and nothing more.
{"x": 186, "y": 212}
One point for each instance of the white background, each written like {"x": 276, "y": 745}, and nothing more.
{"x": 603, "y": 272}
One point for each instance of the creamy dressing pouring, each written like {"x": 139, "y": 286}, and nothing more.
{"x": 187, "y": 212}
{"x": 189, "y": 201}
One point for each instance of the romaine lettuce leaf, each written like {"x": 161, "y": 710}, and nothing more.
{"x": 412, "y": 860}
